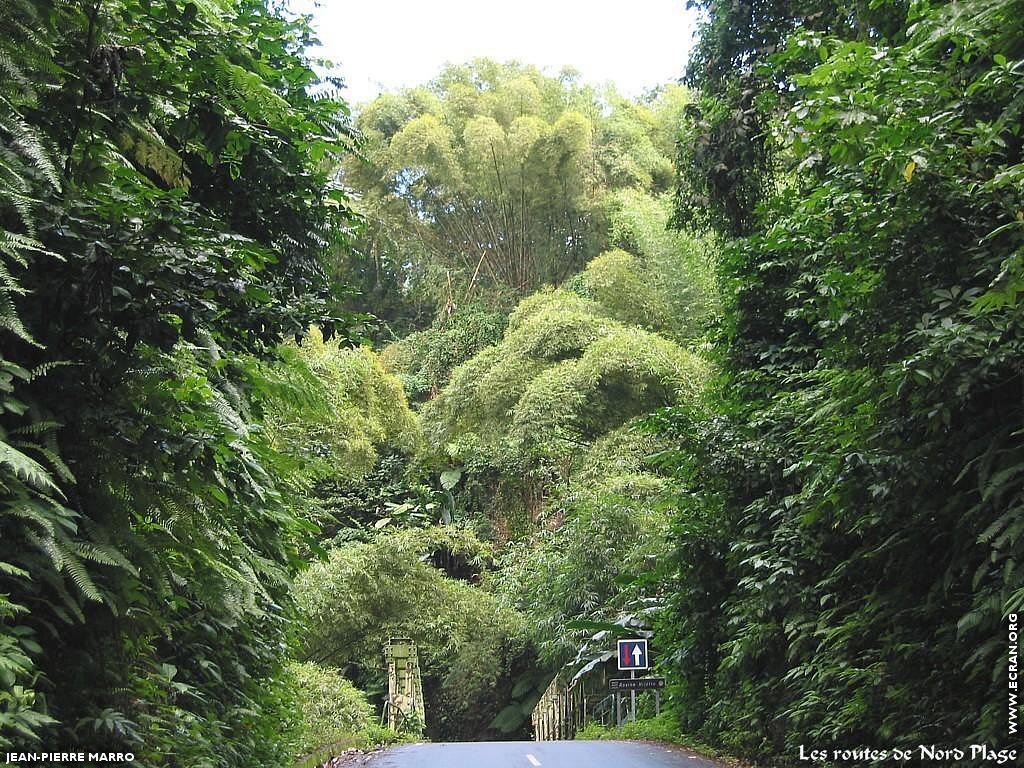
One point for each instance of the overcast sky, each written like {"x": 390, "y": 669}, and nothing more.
{"x": 386, "y": 44}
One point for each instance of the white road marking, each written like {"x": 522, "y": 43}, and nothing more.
{"x": 534, "y": 761}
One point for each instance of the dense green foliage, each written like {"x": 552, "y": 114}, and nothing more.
{"x": 564, "y": 374}
{"x": 597, "y": 533}
{"x": 336, "y": 417}
{"x": 764, "y": 400}
{"x": 166, "y": 207}
{"x": 523, "y": 416}
{"x": 530, "y": 439}
{"x": 330, "y": 715}
{"x": 474, "y": 654}
{"x": 851, "y": 540}
{"x": 491, "y": 181}
{"x": 675, "y": 285}
{"x": 330, "y": 708}
{"x": 424, "y": 360}
{"x": 541, "y": 430}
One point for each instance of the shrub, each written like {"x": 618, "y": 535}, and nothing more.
{"x": 330, "y": 708}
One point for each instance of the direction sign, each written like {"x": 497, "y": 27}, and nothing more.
{"x": 633, "y": 654}
{"x": 636, "y": 684}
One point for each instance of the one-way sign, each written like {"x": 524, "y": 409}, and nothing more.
{"x": 633, "y": 654}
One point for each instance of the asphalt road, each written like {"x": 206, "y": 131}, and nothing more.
{"x": 538, "y": 754}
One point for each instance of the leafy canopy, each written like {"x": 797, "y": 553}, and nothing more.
{"x": 489, "y": 182}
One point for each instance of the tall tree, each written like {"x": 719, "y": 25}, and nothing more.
{"x": 490, "y": 181}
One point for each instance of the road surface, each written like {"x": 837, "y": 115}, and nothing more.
{"x": 539, "y": 754}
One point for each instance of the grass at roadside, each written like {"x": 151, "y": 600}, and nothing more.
{"x": 664, "y": 727}
{"x": 371, "y": 737}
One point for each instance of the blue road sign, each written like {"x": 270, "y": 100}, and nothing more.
{"x": 633, "y": 654}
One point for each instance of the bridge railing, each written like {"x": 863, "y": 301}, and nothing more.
{"x": 566, "y": 708}
{"x": 561, "y": 711}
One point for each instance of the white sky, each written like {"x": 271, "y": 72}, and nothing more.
{"x": 387, "y": 44}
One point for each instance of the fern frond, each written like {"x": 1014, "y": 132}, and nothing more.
{"x": 9, "y": 569}
{"x": 14, "y": 74}
{"x": 9, "y": 319}
{"x": 68, "y": 600}
{"x": 10, "y": 609}
{"x": 250, "y": 95}
{"x": 27, "y": 468}
{"x": 79, "y": 575}
{"x": 8, "y": 282}
{"x": 148, "y": 149}
{"x": 48, "y": 546}
{"x": 104, "y": 554}
{"x": 15, "y": 245}
{"x": 34, "y": 513}
{"x": 26, "y": 140}
{"x": 54, "y": 459}
{"x": 12, "y": 168}
{"x": 36, "y": 428}
{"x": 228, "y": 416}
{"x": 42, "y": 370}
{"x": 1015, "y": 603}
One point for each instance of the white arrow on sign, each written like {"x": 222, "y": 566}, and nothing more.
{"x": 632, "y": 654}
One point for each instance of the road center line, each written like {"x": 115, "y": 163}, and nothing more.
{"x": 533, "y": 760}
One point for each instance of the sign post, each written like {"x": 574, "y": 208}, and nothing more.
{"x": 632, "y": 697}
{"x": 632, "y": 655}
